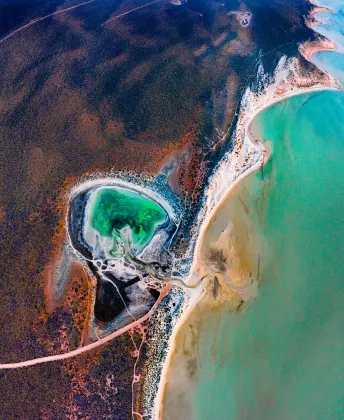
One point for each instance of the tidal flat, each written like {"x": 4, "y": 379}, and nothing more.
{"x": 281, "y": 355}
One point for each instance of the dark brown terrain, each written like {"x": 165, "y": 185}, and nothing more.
{"x": 78, "y": 97}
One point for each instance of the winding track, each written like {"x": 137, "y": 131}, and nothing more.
{"x": 89, "y": 347}
{"x": 59, "y": 12}
{"x": 32, "y": 22}
{"x": 129, "y": 11}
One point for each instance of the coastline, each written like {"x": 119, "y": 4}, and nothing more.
{"x": 312, "y": 47}
{"x": 307, "y": 50}
{"x": 194, "y": 302}
{"x": 257, "y": 166}
{"x": 312, "y": 19}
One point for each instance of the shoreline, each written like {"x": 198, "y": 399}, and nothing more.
{"x": 312, "y": 19}
{"x": 325, "y": 45}
{"x": 252, "y": 169}
{"x": 255, "y": 167}
{"x": 312, "y": 47}
{"x": 284, "y": 97}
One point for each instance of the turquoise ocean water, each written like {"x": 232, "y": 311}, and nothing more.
{"x": 283, "y": 358}
{"x": 332, "y": 27}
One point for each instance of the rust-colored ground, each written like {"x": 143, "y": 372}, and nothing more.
{"x": 78, "y": 98}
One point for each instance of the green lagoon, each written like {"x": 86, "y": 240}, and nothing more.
{"x": 116, "y": 208}
{"x": 282, "y": 357}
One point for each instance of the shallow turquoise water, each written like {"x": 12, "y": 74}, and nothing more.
{"x": 332, "y": 62}
{"x": 332, "y": 28}
{"x": 332, "y": 23}
{"x": 116, "y": 208}
{"x": 284, "y": 357}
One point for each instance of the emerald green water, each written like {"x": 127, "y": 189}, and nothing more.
{"x": 115, "y": 208}
{"x": 283, "y": 358}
